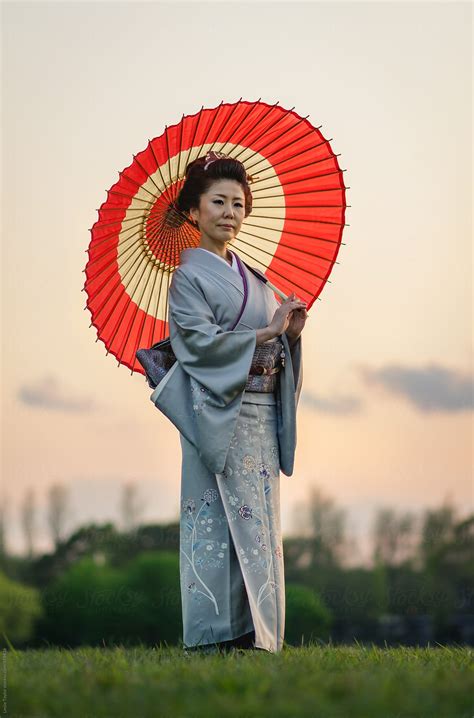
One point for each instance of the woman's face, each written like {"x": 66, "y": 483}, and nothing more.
{"x": 221, "y": 211}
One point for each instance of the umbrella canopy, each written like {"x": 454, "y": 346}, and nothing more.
{"x": 293, "y": 233}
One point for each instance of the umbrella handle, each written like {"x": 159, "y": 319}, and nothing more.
{"x": 278, "y": 291}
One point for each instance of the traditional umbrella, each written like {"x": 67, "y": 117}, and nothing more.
{"x": 293, "y": 234}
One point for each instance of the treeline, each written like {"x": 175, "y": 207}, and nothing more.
{"x": 104, "y": 586}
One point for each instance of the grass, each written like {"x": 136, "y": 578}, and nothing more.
{"x": 314, "y": 681}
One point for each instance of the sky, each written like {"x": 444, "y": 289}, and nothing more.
{"x": 385, "y": 418}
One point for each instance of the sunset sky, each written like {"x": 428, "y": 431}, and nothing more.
{"x": 385, "y": 418}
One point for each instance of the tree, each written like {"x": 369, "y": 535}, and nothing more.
{"x": 323, "y": 525}
{"x": 3, "y": 525}
{"x": 131, "y": 506}
{"x": 394, "y": 537}
{"x": 27, "y": 511}
{"x": 58, "y": 499}
{"x": 437, "y": 530}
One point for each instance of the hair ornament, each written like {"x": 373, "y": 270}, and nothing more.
{"x": 212, "y": 157}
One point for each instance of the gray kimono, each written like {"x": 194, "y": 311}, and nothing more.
{"x": 234, "y": 444}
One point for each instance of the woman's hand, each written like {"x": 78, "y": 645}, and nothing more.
{"x": 296, "y": 324}
{"x": 289, "y": 317}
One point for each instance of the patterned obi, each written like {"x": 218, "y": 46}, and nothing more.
{"x": 267, "y": 361}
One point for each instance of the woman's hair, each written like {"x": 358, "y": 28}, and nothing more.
{"x": 202, "y": 172}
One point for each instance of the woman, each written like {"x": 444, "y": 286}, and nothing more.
{"x": 237, "y": 430}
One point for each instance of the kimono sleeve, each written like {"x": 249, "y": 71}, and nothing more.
{"x": 296, "y": 351}
{"x": 219, "y": 360}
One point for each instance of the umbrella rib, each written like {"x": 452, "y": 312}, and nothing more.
{"x": 97, "y": 275}
{"x": 251, "y": 107}
{"x": 147, "y": 314}
{"x": 99, "y": 311}
{"x": 304, "y": 193}
{"x": 183, "y": 216}
{"x": 210, "y": 127}
{"x": 168, "y": 241}
{"x": 194, "y": 137}
{"x": 112, "y": 246}
{"x": 190, "y": 235}
{"x": 289, "y": 246}
{"x": 288, "y": 159}
{"x": 295, "y": 169}
{"x": 141, "y": 186}
{"x": 168, "y": 282}
{"x": 140, "y": 260}
{"x": 286, "y": 262}
{"x": 158, "y": 295}
{"x": 305, "y": 236}
{"x": 168, "y": 157}
{"x": 116, "y": 255}
{"x": 119, "y": 209}
{"x": 110, "y": 221}
{"x": 292, "y": 219}
{"x": 180, "y": 148}
{"x": 119, "y": 320}
{"x": 153, "y": 196}
{"x": 226, "y": 122}
{"x": 121, "y": 349}
{"x": 158, "y": 168}
{"x": 264, "y": 130}
{"x": 128, "y": 196}
{"x": 298, "y": 139}
{"x": 299, "y": 206}
{"x": 304, "y": 289}
{"x": 282, "y": 134}
{"x": 252, "y": 127}
{"x": 274, "y": 139}
{"x": 96, "y": 242}
{"x": 168, "y": 274}
{"x": 306, "y": 179}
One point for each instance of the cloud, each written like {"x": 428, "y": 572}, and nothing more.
{"x": 334, "y": 405}
{"x": 47, "y": 394}
{"x": 432, "y": 388}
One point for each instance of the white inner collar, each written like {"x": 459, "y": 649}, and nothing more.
{"x": 234, "y": 261}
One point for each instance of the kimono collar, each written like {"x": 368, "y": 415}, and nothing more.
{"x": 209, "y": 261}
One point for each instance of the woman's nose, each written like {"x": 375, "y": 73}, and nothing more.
{"x": 229, "y": 211}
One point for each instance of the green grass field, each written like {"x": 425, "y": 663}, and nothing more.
{"x": 314, "y": 681}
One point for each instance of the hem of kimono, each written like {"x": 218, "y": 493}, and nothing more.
{"x": 268, "y": 650}
{"x": 271, "y": 648}
{"x": 221, "y": 640}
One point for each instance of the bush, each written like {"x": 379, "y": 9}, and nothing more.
{"x": 20, "y": 606}
{"x": 94, "y": 603}
{"x": 154, "y": 577}
{"x": 307, "y": 618}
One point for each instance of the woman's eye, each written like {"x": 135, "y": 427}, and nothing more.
{"x": 239, "y": 204}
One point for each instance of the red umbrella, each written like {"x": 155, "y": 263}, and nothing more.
{"x": 293, "y": 233}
